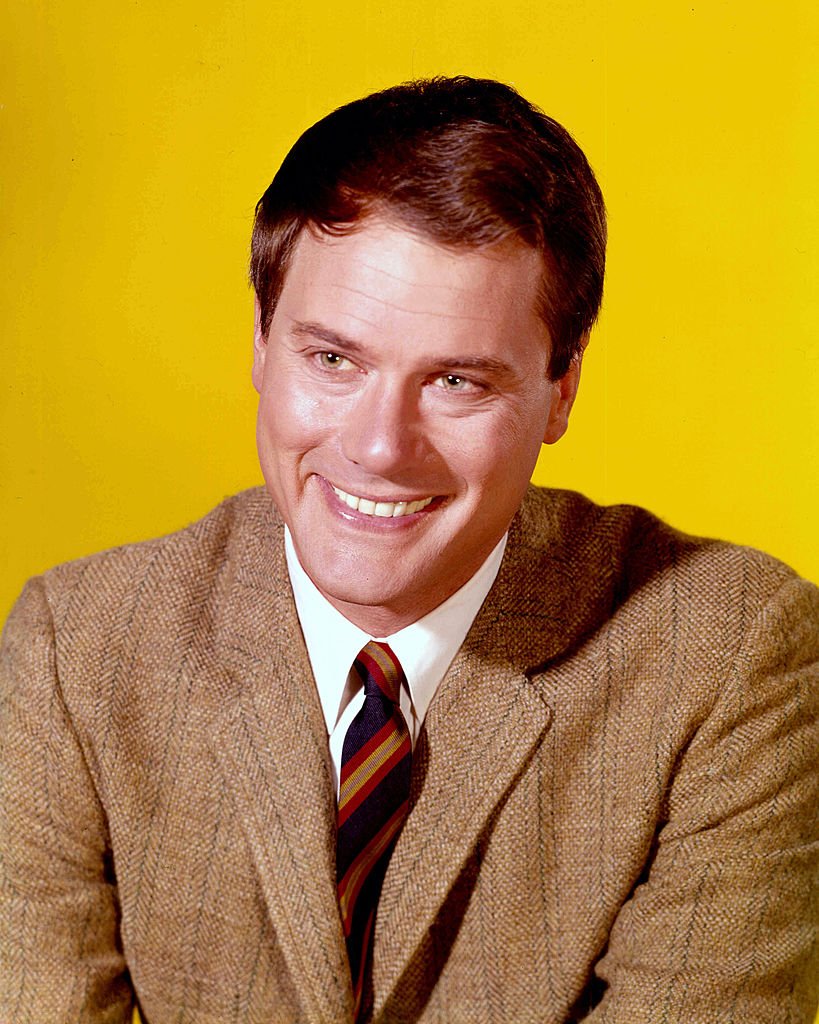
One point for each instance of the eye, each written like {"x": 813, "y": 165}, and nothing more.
{"x": 454, "y": 382}
{"x": 332, "y": 360}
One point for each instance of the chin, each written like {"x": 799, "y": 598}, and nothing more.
{"x": 362, "y": 594}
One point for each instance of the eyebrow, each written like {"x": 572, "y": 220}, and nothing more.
{"x": 310, "y": 329}
{"x": 333, "y": 339}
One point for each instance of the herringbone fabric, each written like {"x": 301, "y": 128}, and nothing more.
{"x": 373, "y": 801}
{"x": 613, "y": 798}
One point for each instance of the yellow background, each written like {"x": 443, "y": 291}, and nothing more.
{"x": 136, "y": 138}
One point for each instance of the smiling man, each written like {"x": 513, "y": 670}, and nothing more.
{"x": 405, "y": 395}
{"x": 400, "y": 737}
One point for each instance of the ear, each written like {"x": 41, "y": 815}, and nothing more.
{"x": 564, "y": 390}
{"x": 259, "y": 346}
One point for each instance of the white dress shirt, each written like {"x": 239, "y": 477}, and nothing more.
{"x": 425, "y": 648}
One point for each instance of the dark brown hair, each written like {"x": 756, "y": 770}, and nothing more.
{"x": 466, "y": 162}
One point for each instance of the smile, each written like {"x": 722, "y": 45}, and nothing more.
{"x": 384, "y": 509}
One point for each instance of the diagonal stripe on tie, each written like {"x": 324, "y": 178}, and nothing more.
{"x": 371, "y": 771}
{"x": 373, "y": 802}
{"x": 361, "y": 868}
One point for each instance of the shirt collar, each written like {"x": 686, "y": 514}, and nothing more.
{"x": 425, "y": 648}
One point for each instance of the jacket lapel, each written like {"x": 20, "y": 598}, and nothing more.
{"x": 462, "y": 784}
{"x": 271, "y": 746}
{"x": 489, "y": 716}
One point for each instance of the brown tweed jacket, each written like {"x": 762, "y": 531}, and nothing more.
{"x": 614, "y": 810}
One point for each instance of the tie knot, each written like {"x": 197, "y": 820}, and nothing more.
{"x": 380, "y": 671}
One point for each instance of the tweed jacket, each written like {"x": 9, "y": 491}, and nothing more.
{"x": 613, "y": 811}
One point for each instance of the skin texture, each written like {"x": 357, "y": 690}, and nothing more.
{"x": 398, "y": 370}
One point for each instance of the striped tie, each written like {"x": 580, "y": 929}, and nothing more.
{"x": 373, "y": 801}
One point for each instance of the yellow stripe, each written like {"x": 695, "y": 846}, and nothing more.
{"x": 388, "y": 666}
{"x": 362, "y": 864}
{"x": 351, "y": 785}
{"x": 382, "y": 659}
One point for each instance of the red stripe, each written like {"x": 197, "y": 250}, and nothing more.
{"x": 377, "y": 776}
{"x": 354, "y": 776}
{"x": 372, "y": 744}
{"x": 358, "y": 986}
{"x": 379, "y": 674}
{"x": 374, "y": 670}
{"x": 355, "y": 878}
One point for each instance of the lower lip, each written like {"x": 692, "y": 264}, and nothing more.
{"x": 375, "y": 522}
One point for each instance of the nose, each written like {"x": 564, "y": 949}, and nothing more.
{"x": 382, "y": 431}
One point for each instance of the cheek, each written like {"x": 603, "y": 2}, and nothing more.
{"x": 291, "y": 421}
{"x": 498, "y": 450}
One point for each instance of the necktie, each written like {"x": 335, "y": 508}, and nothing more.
{"x": 373, "y": 801}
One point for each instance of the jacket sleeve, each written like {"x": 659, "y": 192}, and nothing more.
{"x": 723, "y": 925}
{"x": 60, "y": 953}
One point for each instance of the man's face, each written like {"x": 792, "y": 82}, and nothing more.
{"x": 403, "y": 402}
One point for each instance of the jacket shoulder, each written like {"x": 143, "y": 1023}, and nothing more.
{"x": 185, "y": 558}
{"x": 140, "y": 621}
{"x": 622, "y": 560}
{"x": 629, "y": 545}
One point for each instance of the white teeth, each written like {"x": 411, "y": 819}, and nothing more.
{"x": 384, "y": 509}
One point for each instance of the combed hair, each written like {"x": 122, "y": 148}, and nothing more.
{"x": 465, "y": 162}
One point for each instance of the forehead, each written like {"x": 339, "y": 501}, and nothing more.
{"x": 385, "y": 275}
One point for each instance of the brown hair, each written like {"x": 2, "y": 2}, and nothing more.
{"x": 466, "y": 162}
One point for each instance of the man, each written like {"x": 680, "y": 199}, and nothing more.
{"x": 402, "y": 738}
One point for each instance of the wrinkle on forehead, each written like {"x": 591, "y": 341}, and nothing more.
{"x": 455, "y": 284}
{"x": 382, "y": 280}
{"x": 458, "y": 256}
{"x": 395, "y": 307}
